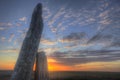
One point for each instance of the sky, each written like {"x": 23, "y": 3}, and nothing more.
{"x": 78, "y": 35}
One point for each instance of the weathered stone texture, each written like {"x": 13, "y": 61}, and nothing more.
{"x": 41, "y": 72}
{"x": 24, "y": 64}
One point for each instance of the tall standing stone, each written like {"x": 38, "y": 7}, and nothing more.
{"x": 41, "y": 72}
{"x": 24, "y": 65}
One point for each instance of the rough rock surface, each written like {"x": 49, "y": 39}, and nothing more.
{"x": 24, "y": 65}
{"x": 41, "y": 72}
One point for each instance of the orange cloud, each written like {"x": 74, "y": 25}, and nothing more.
{"x": 99, "y": 66}
{"x": 7, "y": 66}
{"x": 54, "y": 65}
{"x": 47, "y": 42}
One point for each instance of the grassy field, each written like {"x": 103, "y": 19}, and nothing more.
{"x": 72, "y": 75}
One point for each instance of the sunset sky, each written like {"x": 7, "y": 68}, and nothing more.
{"x": 78, "y": 35}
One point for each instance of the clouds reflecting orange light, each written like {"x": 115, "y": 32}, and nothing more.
{"x": 54, "y": 65}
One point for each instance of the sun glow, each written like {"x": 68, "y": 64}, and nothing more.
{"x": 54, "y": 65}
{"x": 7, "y": 66}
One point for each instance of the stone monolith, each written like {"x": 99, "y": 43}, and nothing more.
{"x": 24, "y": 65}
{"x": 41, "y": 71}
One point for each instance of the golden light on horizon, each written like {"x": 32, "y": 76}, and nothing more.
{"x": 54, "y": 65}
{"x": 99, "y": 66}
{"x": 7, "y": 66}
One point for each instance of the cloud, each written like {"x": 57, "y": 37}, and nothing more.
{"x": 68, "y": 17}
{"x": 19, "y": 40}
{"x": 109, "y": 37}
{"x": 105, "y": 22}
{"x": 53, "y": 20}
{"x": 23, "y": 19}
{"x": 1, "y": 28}
{"x": 2, "y": 38}
{"x": 9, "y": 51}
{"x": 47, "y": 14}
{"x": 49, "y": 50}
{"x": 99, "y": 38}
{"x": 99, "y": 66}
{"x": 11, "y": 37}
{"x": 47, "y": 42}
{"x": 104, "y": 14}
{"x": 115, "y": 43}
{"x": 84, "y": 56}
{"x": 73, "y": 37}
{"x": 18, "y": 24}
{"x": 57, "y": 15}
{"x": 6, "y": 24}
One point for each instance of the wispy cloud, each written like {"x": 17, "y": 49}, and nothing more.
{"x": 23, "y": 19}
{"x": 73, "y": 37}
{"x": 18, "y": 24}
{"x": 47, "y": 42}
{"x": 57, "y": 15}
{"x": 81, "y": 56}
{"x": 47, "y": 14}
{"x": 98, "y": 38}
{"x": 9, "y": 51}
{"x": 1, "y": 28}
{"x": 2, "y": 38}
{"x": 49, "y": 50}
{"x": 54, "y": 18}
{"x": 11, "y": 37}
{"x": 6, "y": 24}
{"x": 107, "y": 39}
{"x": 99, "y": 66}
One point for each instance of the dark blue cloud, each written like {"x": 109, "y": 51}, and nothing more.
{"x": 79, "y": 57}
